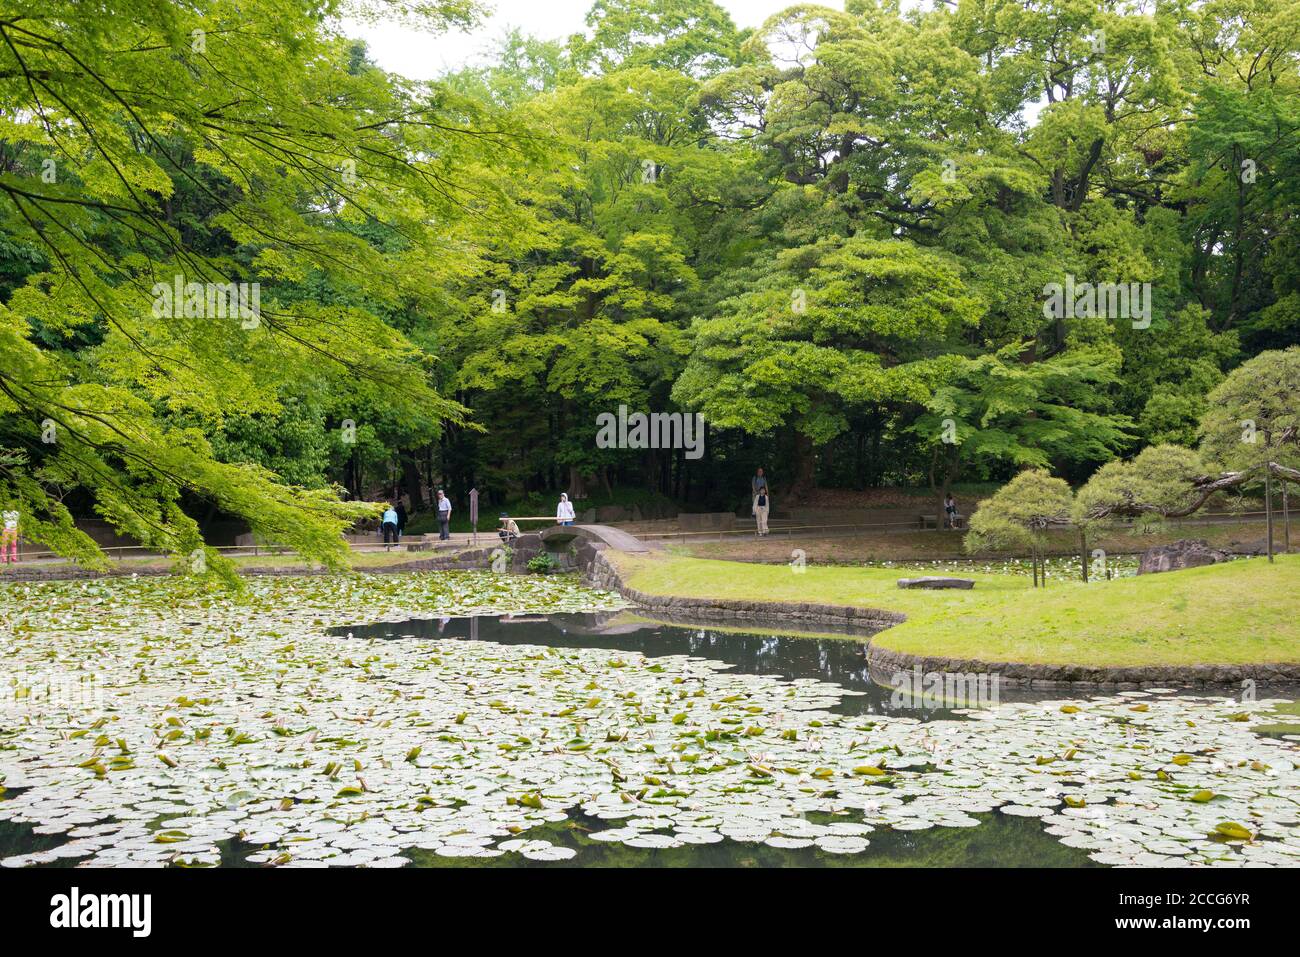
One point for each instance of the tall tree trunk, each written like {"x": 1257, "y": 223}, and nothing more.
{"x": 577, "y": 487}
{"x": 411, "y": 480}
{"x": 1286, "y": 519}
{"x": 1083, "y": 553}
{"x": 804, "y": 479}
{"x": 944, "y": 460}
{"x": 1268, "y": 506}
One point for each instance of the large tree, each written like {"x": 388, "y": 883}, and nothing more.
{"x": 156, "y": 145}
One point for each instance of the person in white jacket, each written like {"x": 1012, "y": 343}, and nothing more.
{"x": 564, "y": 511}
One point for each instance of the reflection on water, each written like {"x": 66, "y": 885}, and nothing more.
{"x": 999, "y": 841}
{"x": 838, "y": 660}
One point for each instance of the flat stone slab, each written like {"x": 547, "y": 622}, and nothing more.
{"x": 935, "y": 581}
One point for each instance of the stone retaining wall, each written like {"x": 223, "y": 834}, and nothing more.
{"x": 602, "y": 573}
{"x": 884, "y": 662}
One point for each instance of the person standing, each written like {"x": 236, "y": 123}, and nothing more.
{"x": 564, "y": 511}
{"x": 401, "y": 519}
{"x": 758, "y": 482}
{"x": 950, "y": 512}
{"x": 762, "y": 502}
{"x": 9, "y": 536}
{"x": 389, "y": 525}
{"x": 444, "y": 516}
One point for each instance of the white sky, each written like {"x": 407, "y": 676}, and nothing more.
{"x": 420, "y": 56}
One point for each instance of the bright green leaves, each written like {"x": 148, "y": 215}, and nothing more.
{"x": 1020, "y": 512}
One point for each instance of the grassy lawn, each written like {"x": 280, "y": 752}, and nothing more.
{"x": 1239, "y": 613}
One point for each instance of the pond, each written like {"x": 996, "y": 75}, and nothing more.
{"x": 840, "y": 659}
{"x": 167, "y": 724}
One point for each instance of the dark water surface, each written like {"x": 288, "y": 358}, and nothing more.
{"x": 841, "y": 660}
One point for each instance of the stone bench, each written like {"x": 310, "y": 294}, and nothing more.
{"x": 935, "y": 581}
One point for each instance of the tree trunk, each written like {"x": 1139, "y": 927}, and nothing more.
{"x": 1286, "y": 519}
{"x": 577, "y": 488}
{"x": 411, "y": 479}
{"x": 1083, "y": 553}
{"x": 804, "y": 479}
{"x": 1268, "y": 507}
{"x": 943, "y": 474}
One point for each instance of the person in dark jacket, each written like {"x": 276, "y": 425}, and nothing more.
{"x": 401, "y": 519}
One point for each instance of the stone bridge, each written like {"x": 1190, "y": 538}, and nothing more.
{"x": 571, "y": 547}
{"x": 576, "y": 546}
{"x": 560, "y": 537}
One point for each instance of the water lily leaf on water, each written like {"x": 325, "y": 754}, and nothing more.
{"x": 1232, "y": 831}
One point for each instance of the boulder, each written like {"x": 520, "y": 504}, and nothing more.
{"x": 525, "y": 548}
{"x": 935, "y": 581}
{"x": 1187, "y": 553}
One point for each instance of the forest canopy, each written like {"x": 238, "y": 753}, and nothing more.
{"x": 245, "y": 271}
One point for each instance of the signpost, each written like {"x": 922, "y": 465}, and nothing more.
{"x": 473, "y": 515}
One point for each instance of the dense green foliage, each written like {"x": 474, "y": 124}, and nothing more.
{"x": 836, "y": 237}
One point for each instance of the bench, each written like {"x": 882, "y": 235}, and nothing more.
{"x": 932, "y": 521}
